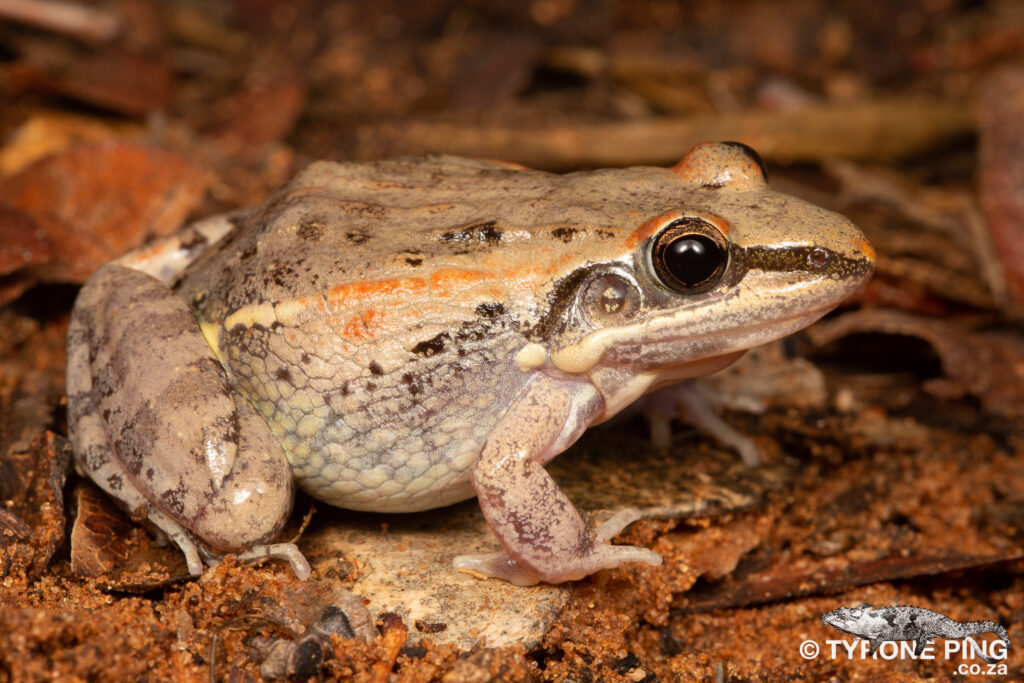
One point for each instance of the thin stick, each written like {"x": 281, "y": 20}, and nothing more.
{"x": 86, "y": 23}
{"x": 880, "y": 130}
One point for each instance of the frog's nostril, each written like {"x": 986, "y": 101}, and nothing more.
{"x": 818, "y": 257}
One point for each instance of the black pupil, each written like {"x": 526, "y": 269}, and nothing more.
{"x": 692, "y": 259}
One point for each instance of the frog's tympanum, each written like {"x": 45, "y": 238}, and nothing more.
{"x": 403, "y": 335}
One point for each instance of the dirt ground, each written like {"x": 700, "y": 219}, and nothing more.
{"x": 901, "y": 474}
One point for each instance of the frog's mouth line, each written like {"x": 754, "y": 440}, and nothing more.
{"x": 752, "y": 314}
{"x": 662, "y": 371}
{"x": 660, "y": 353}
{"x": 669, "y": 361}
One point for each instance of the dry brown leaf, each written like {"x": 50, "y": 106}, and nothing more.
{"x": 97, "y": 201}
{"x": 51, "y": 132}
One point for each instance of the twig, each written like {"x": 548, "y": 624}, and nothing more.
{"x": 86, "y": 23}
{"x": 880, "y": 130}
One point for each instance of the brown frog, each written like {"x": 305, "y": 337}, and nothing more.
{"x": 406, "y": 334}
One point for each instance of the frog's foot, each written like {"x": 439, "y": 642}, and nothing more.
{"x": 196, "y": 555}
{"x": 501, "y": 565}
{"x": 692, "y": 402}
{"x": 155, "y": 422}
{"x": 288, "y": 552}
{"x": 601, "y": 555}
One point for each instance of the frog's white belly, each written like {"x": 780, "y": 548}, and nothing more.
{"x": 385, "y": 481}
{"x": 372, "y": 434}
{"x": 389, "y": 456}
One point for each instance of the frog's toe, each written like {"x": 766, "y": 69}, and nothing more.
{"x": 499, "y": 565}
{"x": 289, "y": 552}
{"x": 600, "y": 555}
{"x": 691, "y": 402}
{"x": 610, "y": 556}
{"x": 617, "y": 554}
{"x": 180, "y": 537}
{"x": 611, "y": 527}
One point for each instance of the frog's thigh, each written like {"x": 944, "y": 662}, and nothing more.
{"x": 544, "y": 536}
{"x": 154, "y": 421}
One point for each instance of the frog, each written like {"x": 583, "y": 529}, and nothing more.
{"x": 405, "y": 334}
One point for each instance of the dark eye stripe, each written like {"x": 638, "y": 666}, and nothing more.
{"x": 794, "y": 259}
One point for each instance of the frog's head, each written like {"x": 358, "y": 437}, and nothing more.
{"x": 733, "y": 266}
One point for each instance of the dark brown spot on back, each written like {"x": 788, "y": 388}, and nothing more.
{"x": 484, "y": 233}
{"x": 431, "y": 346}
{"x": 311, "y": 230}
{"x": 564, "y": 234}
{"x": 490, "y": 309}
{"x": 415, "y": 385}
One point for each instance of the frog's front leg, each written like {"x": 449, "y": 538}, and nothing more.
{"x": 155, "y": 423}
{"x": 544, "y": 536}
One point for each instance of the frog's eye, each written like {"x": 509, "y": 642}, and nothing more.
{"x": 610, "y": 298}
{"x": 690, "y": 255}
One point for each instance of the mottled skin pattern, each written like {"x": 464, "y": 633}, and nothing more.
{"x": 418, "y": 331}
{"x": 905, "y": 622}
{"x": 157, "y": 416}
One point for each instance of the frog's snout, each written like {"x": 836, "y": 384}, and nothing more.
{"x": 862, "y": 258}
{"x": 862, "y": 245}
{"x": 856, "y": 264}
{"x": 843, "y": 252}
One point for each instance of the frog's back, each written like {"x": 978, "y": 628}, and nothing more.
{"x": 367, "y": 222}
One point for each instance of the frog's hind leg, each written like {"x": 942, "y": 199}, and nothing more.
{"x": 92, "y": 451}
{"x": 167, "y": 257}
{"x": 155, "y": 423}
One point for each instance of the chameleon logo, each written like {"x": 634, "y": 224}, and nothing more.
{"x": 903, "y": 622}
